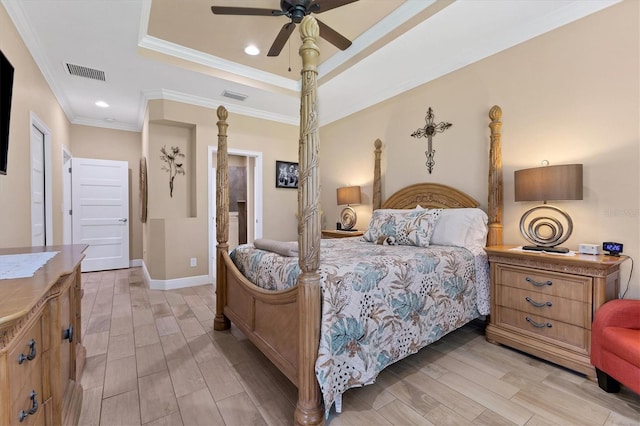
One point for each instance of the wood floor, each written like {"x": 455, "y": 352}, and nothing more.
{"x": 154, "y": 359}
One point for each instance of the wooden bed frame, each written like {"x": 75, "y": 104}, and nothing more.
{"x": 285, "y": 325}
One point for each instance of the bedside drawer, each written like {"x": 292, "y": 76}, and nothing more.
{"x": 557, "y": 331}
{"x": 567, "y": 286}
{"x": 566, "y": 310}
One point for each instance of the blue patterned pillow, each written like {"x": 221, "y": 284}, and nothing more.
{"x": 410, "y": 227}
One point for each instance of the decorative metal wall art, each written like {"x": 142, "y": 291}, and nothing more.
{"x": 429, "y": 131}
{"x": 173, "y": 166}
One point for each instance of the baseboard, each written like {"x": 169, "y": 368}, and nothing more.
{"x": 135, "y": 263}
{"x": 174, "y": 283}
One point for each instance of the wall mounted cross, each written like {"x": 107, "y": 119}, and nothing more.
{"x": 429, "y": 131}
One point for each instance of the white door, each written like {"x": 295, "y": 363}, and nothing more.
{"x": 38, "y": 212}
{"x": 67, "y": 224}
{"x": 100, "y": 199}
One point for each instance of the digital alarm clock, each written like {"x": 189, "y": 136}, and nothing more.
{"x": 614, "y": 249}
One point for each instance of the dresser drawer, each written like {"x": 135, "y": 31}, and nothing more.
{"x": 568, "y": 286}
{"x": 557, "y": 331}
{"x": 566, "y": 310}
{"x": 28, "y": 404}
{"x": 25, "y": 375}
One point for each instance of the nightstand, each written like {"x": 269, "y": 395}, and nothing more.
{"x": 337, "y": 233}
{"x": 543, "y": 304}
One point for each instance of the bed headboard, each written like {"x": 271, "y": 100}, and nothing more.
{"x": 433, "y": 195}
{"x": 429, "y": 195}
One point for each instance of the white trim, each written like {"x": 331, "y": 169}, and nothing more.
{"x": 257, "y": 191}
{"x": 28, "y": 34}
{"x": 84, "y": 121}
{"x": 197, "y": 57}
{"x": 383, "y": 27}
{"x": 135, "y": 263}
{"x": 173, "y": 95}
{"x": 174, "y": 283}
{"x": 34, "y": 121}
{"x": 67, "y": 219}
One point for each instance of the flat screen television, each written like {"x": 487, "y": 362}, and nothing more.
{"x": 6, "y": 88}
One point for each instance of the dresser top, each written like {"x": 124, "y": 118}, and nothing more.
{"x": 18, "y": 296}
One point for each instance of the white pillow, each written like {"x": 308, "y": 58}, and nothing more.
{"x": 461, "y": 227}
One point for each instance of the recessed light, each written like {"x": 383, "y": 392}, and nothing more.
{"x": 102, "y": 104}
{"x": 110, "y": 119}
{"x": 251, "y": 50}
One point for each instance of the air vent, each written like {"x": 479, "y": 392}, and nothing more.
{"x": 80, "y": 71}
{"x": 234, "y": 95}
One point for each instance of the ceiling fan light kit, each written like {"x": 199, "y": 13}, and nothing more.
{"x": 295, "y": 10}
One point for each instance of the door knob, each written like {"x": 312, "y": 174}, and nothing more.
{"x": 124, "y": 219}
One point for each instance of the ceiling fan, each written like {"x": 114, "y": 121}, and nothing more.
{"x": 294, "y": 10}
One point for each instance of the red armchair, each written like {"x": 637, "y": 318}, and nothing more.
{"x": 615, "y": 345}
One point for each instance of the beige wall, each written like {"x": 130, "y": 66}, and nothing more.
{"x": 569, "y": 96}
{"x": 109, "y": 144}
{"x": 31, "y": 93}
{"x": 175, "y": 234}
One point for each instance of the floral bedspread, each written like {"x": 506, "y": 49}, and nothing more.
{"x": 379, "y": 303}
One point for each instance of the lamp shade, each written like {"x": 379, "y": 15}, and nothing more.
{"x": 546, "y": 183}
{"x": 348, "y": 195}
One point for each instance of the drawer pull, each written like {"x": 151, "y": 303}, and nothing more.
{"x": 537, "y": 304}
{"x": 31, "y": 355}
{"x": 537, "y": 324}
{"x": 34, "y": 407}
{"x": 68, "y": 333}
{"x": 537, "y": 283}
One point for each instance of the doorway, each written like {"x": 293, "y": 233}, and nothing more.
{"x": 100, "y": 199}
{"x": 67, "y": 224}
{"x": 252, "y": 205}
{"x": 41, "y": 183}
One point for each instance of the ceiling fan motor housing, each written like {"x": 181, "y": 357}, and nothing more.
{"x": 295, "y": 12}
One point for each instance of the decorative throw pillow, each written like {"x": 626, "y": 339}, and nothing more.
{"x": 409, "y": 227}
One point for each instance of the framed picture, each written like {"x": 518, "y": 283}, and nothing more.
{"x": 286, "y": 174}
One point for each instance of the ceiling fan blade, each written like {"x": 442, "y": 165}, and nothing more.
{"x": 281, "y": 39}
{"x": 333, "y": 37}
{"x": 223, "y": 10}
{"x": 319, "y": 6}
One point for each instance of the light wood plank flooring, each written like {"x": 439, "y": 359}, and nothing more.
{"x": 154, "y": 359}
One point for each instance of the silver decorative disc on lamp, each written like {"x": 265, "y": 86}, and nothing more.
{"x": 348, "y": 195}
{"x": 546, "y": 232}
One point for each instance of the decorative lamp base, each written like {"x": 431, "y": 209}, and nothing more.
{"x": 348, "y": 218}
{"x": 547, "y": 249}
{"x": 546, "y": 233}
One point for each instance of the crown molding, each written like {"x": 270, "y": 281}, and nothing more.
{"x": 171, "y": 95}
{"x": 25, "y": 29}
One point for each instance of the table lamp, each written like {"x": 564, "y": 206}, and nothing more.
{"x": 546, "y": 183}
{"x": 346, "y": 196}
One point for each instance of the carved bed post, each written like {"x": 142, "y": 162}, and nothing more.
{"x": 495, "y": 179}
{"x": 377, "y": 181}
{"x": 220, "y": 322}
{"x": 309, "y": 406}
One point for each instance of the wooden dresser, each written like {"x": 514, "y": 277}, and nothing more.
{"x": 543, "y": 304}
{"x": 41, "y": 355}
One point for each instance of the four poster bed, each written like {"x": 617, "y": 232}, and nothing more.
{"x": 338, "y": 317}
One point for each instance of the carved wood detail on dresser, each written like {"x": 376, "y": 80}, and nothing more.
{"x": 41, "y": 353}
{"x": 543, "y": 304}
